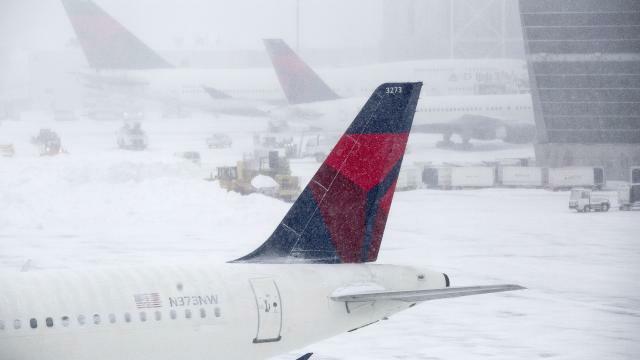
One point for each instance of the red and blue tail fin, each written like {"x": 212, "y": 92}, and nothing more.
{"x": 299, "y": 82}
{"x": 106, "y": 43}
{"x": 341, "y": 215}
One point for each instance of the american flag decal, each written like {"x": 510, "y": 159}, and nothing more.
{"x": 148, "y": 301}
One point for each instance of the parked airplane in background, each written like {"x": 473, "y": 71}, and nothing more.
{"x": 120, "y": 62}
{"x": 484, "y": 117}
{"x": 312, "y": 279}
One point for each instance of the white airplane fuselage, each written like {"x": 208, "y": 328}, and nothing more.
{"x": 231, "y": 311}
{"x": 335, "y": 114}
{"x": 259, "y": 87}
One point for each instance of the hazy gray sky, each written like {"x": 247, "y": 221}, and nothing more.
{"x": 230, "y": 24}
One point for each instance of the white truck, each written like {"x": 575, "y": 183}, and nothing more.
{"x": 521, "y": 176}
{"x": 584, "y": 200}
{"x": 566, "y": 178}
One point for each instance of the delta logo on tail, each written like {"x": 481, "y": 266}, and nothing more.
{"x": 299, "y": 82}
{"x": 106, "y": 43}
{"x": 341, "y": 215}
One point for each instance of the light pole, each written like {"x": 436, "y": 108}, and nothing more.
{"x": 298, "y": 26}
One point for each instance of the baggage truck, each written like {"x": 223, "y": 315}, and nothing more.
{"x": 473, "y": 177}
{"x": 566, "y": 178}
{"x": 520, "y": 176}
{"x": 585, "y": 200}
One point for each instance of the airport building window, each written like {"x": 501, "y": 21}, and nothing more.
{"x": 173, "y": 314}
{"x": 158, "y": 316}
{"x": 187, "y": 313}
{"x": 33, "y": 323}
{"x": 127, "y": 317}
{"x": 17, "y": 324}
{"x": 203, "y": 313}
{"x": 49, "y": 322}
{"x": 1, "y": 325}
{"x": 65, "y": 321}
{"x": 143, "y": 316}
{"x": 112, "y": 318}
{"x": 96, "y": 319}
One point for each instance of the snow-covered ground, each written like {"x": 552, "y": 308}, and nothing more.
{"x": 100, "y": 206}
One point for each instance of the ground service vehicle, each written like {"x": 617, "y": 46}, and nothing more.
{"x": 584, "y": 200}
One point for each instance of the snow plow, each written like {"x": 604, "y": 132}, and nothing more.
{"x": 131, "y": 137}
{"x": 48, "y": 141}
{"x": 250, "y": 176}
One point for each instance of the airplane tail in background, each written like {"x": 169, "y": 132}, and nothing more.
{"x": 106, "y": 43}
{"x": 341, "y": 215}
{"x": 299, "y": 82}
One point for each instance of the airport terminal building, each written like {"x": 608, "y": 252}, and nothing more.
{"x": 584, "y": 66}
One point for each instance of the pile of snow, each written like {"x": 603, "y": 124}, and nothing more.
{"x": 264, "y": 182}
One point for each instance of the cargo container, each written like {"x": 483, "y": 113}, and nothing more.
{"x": 635, "y": 175}
{"x": 520, "y": 176}
{"x": 408, "y": 178}
{"x": 473, "y": 177}
{"x": 436, "y": 177}
{"x": 629, "y": 197}
{"x": 569, "y": 177}
{"x": 458, "y": 177}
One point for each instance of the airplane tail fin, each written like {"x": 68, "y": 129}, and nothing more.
{"x": 106, "y": 43}
{"x": 299, "y": 82}
{"x": 341, "y": 215}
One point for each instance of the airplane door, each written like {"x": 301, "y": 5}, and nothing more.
{"x": 269, "y": 310}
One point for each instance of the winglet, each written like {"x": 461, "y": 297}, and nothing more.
{"x": 299, "y": 82}
{"x": 341, "y": 215}
{"x": 106, "y": 43}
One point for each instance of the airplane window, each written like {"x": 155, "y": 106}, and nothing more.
{"x": 173, "y": 314}
{"x": 158, "y": 316}
{"x": 216, "y": 312}
{"x": 187, "y": 313}
{"x": 81, "y": 319}
{"x": 49, "y": 322}
{"x": 17, "y": 324}
{"x": 33, "y": 323}
{"x": 143, "y": 316}
{"x": 1, "y": 325}
{"x": 127, "y": 317}
{"x": 112, "y": 318}
{"x": 203, "y": 313}
{"x": 96, "y": 319}
{"x": 65, "y": 321}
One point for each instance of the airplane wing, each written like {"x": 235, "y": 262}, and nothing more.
{"x": 215, "y": 93}
{"x": 422, "y": 295}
